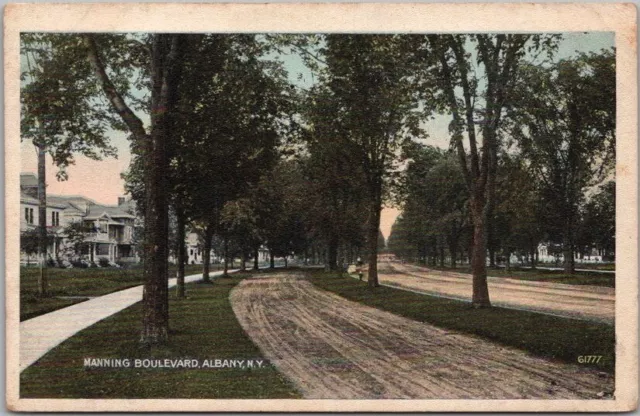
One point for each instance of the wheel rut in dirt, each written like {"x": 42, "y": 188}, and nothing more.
{"x": 332, "y": 348}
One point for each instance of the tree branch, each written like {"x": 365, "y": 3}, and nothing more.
{"x": 124, "y": 111}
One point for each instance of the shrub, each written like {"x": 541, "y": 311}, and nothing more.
{"x": 104, "y": 262}
{"x": 80, "y": 264}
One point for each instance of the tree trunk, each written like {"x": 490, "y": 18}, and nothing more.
{"x": 206, "y": 254}
{"x": 453, "y": 252}
{"x": 492, "y": 257}
{"x": 372, "y": 241}
{"x": 156, "y": 291}
{"x": 272, "y": 261}
{"x": 256, "y": 253}
{"x": 533, "y": 256}
{"x": 480, "y": 297}
{"x": 332, "y": 253}
{"x": 43, "y": 284}
{"x": 243, "y": 265}
{"x": 182, "y": 251}
{"x": 225, "y": 256}
{"x": 166, "y": 63}
{"x": 567, "y": 252}
{"x": 442, "y": 256}
{"x": 285, "y": 262}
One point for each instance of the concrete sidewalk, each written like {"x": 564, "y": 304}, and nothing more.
{"x": 41, "y": 334}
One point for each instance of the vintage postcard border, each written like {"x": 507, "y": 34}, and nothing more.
{"x": 618, "y": 18}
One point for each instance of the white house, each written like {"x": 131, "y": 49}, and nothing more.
{"x": 110, "y": 234}
{"x": 30, "y": 214}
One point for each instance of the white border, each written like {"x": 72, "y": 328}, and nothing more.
{"x": 354, "y": 17}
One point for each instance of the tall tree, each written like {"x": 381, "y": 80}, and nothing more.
{"x": 336, "y": 208}
{"x": 564, "y": 124}
{"x": 372, "y": 79}
{"x": 165, "y": 64}
{"x": 58, "y": 115}
{"x": 234, "y": 108}
{"x": 477, "y": 115}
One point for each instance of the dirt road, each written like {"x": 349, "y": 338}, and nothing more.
{"x": 333, "y": 348}
{"x": 594, "y": 303}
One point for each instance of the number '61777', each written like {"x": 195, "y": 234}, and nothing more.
{"x": 589, "y": 359}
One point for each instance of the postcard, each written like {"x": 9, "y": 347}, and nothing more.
{"x": 321, "y": 207}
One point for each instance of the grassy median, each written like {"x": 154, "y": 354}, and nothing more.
{"x": 204, "y": 327}
{"x": 79, "y": 284}
{"x": 544, "y": 335}
{"x": 592, "y": 278}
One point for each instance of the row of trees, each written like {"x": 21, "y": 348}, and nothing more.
{"x": 226, "y": 142}
{"x": 435, "y": 227}
{"x": 553, "y": 180}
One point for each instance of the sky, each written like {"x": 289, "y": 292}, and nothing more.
{"x": 100, "y": 180}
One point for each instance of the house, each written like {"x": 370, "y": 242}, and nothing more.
{"x": 30, "y": 214}
{"x": 108, "y": 229}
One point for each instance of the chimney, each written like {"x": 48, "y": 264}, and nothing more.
{"x": 120, "y": 200}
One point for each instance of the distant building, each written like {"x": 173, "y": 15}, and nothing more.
{"x": 110, "y": 227}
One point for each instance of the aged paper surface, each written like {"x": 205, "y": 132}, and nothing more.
{"x": 353, "y": 18}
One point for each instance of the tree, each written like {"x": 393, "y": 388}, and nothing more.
{"x": 372, "y": 81}
{"x": 335, "y": 196}
{"x": 499, "y": 57}
{"x": 435, "y": 209}
{"x": 564, "y": 125}
{"x": 234, "y": 108}
{"x": 239, "y": 224}
{"x": 68, "y": 122}
{"x": 597, "y": 228}
{"x": 279, "y": 201}
{"x": 520, "y": 209}
{"x": 164, "y": 67}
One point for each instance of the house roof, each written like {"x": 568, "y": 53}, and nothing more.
{"x": 76, "y": 204}
{"x": 26, "y": 199}
{"x": 28, "y": 179}
{"x": 96, "y": 211}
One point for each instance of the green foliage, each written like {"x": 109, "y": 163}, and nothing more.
{"x": 29, "y": 240}
{"x": 563, "y": 121}
{"x": 59, "y": 101}
{"x": 597, "y": 228}
{"x": 435, "y": 214}
{"x": 233, "y": 104}
{"x": 279, "y": 201}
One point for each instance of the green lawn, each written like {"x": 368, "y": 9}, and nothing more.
{"x": 553, "y": 276}
{"x": 203, "y": 327}
{"x": 78, "y": 283}
{"x": 547, "y": 336}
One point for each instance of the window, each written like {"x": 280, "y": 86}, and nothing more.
{"x": 55, "y": 218}
{"x": 28, "y": 215}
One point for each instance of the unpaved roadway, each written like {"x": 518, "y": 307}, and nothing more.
{"x": 593, "y": 303}
{"x": 330, "y": 347}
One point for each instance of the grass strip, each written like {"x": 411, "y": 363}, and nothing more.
{"x": 552, "y": 276}
{"x": 204, "y": 327}
{"x": 547, "y": 336}
{"x": 78, "y": 282}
